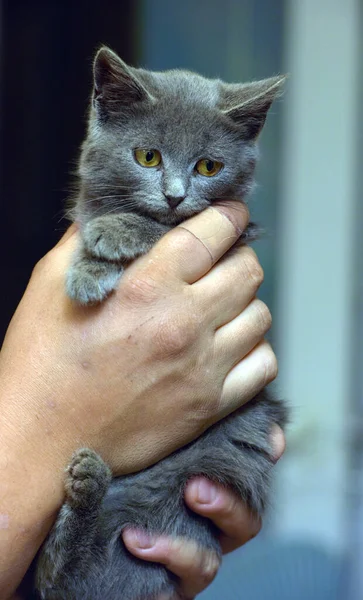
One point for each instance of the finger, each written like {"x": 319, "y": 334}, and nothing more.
{"x": 196, "y": 567}
{"x": 64, "y": 250}
{"x": 230, "y": 285}
{"x": 236, "y": 339}
{"x": 60, "y": 254}
{"x": 191, "y": 249}
{"x": 248, "y": 377}
{"x": 68, "y": 234}
{"x": 57, "y": 259}
{"x": 278, "y": 442}
{"x": 236, "y": 522}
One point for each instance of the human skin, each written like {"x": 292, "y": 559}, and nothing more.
{"x": 197, "y": 567}
{"x": 177, "y": 347}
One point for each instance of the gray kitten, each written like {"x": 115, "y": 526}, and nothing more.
{"x": 160, "y": 148}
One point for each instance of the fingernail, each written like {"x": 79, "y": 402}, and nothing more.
{"x": 207, "y": 492}
{"x": 224, "y": 207}
{"x": 139, "y": 538}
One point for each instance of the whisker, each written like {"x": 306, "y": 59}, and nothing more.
{"x": 113, "y": 201}
{"x": 105, "y": 187}
{"x": 96, "y": 198}
{"x": 113, "y": 207}
{"x": 111, "y": 211}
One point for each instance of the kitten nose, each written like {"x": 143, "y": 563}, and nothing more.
{"x": 174, "y": 201}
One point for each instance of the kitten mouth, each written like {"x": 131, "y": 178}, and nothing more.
{"x": 174, "y": 216}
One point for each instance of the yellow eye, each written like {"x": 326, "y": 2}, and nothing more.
{"x": 148, "y": 157}
{"x": 207, "y": 167}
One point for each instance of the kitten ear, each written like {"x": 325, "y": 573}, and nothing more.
{"x": 115, "y": 84}
{"x": 247, "y": 104}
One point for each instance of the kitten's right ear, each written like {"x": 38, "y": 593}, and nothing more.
{"x": 115, "y": 84}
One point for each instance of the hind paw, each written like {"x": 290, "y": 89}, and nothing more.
{"x": 88, "y": 478}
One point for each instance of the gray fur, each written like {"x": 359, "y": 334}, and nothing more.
{"x": 123, "y": 209}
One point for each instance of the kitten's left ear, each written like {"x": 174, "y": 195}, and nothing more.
{"x": 247, "y": 104}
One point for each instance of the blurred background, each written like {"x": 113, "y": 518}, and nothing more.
{"x": 308, "y": 199}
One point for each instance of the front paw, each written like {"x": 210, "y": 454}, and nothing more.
{"x": 121, "y": 237}
{"x": 118, "y": 238}
{"x": 103, "y": 239}
{"x": 90, "y": 281}
{"x": 87, "y": 481}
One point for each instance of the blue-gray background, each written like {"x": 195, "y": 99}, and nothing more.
{"x": 308, "y": 199}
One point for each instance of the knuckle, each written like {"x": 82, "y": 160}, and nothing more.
{"x": 175, "y": 549}
{"x": 254, "y": 271}
{"x": 270, "y": 364}
{"x": 230, "y": 507}
{"x": 138, "y": 290}
{"x": 174, "y": 335}
{"x": 42, "y": 264}
{"x": 208, "y": 567}
{"x": 38, "y": 267}
{"x": 263, "y": 315}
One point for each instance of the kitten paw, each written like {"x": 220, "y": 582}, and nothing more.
{"x": 91, "y": 281}
{"x": 88, "y": 478}
{"x": 102, "y": 242}
{"x": 121, "y": 237}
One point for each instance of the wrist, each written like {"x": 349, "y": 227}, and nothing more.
{"x": 28, "y": 434}
{"x": 31, "y": 460}
{"x": 32, "y": 470}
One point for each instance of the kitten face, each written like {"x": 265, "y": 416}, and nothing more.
{"x": 184, "y": 117}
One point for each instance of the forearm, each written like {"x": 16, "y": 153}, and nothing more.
{"x": 32, "y": 490}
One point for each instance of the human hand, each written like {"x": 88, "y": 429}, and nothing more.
{"x": 169, "y": 353}
{"x": 197, "y": 567}
{"x": 177, "y": 347}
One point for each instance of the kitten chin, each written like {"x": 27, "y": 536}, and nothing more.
{"x": 199, "y": 136}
